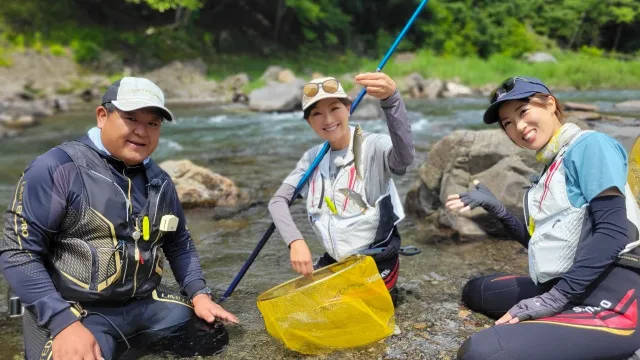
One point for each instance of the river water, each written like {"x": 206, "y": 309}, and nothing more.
{"x": 257, "y": 151}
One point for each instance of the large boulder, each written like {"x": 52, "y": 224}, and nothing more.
{"x": 454, "y": 89}
{"x": 200, "y": 187}
{"x": 629, "y": 105}
{"x": 417, "y": 87}
{"x": 39, "y": 73}
{"x": 277, "y": 97}
{"x": 490, "y": 157}
{"x": 452, "y": 165}
{"x": 369, "y": 107}
{"x": 187, "y": 80}
{"x": 575, "y": 106}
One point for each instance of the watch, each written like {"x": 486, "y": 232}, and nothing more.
{"x": 204, "y": 290}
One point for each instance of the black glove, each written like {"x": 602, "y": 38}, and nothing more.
{"x": 548, "y": 304}
{"x": 483, "y": 197}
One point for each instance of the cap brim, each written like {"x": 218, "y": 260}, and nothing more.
{"x": 322, "y": 97}
{"x": 491, "y": 114}
{"x": 131, "y": 105}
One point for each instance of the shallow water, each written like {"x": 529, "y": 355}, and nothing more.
{"x": 257, "y": 151}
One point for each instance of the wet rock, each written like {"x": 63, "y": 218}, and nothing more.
{"x": 541, "y": 57}
{"x": 200, "y": 187}
{"x": 37, "y": 73}
{"x": 412, "y": 288}
{"x": 61, "y": 104}
{"x": 452, "y": 165}
{"x": 631, "y": 105}
{"x": 396, "y": 330}
{"x": 20, "y": 122}
{"x": 453, "y": 89}
{"x": 239, "y": 97}
{"x": 437, "y": 277}
{"x": 420, "y": 326}
{"x": 369, "y": 107}
{"x": 583, "y": 115}
{"x": 582, "y": 124}
{"x": 417, "y": 87}
{"x": 89, "y": 95}
{"x": 15, "y": 108}
{"x": 367, "y": 111}
{"x": 574, "y": 106}
{"x": 277, "y": 97}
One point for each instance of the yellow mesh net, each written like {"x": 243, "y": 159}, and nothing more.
{"x": 633, "y": 177}
{"x": 345, "y": 305}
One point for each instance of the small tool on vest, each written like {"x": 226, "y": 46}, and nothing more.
{"x": 331, "y": 206}
{"x": 169, "y": 223}
{"x": 145, "y": 228}
{"x": 15, "y": 305}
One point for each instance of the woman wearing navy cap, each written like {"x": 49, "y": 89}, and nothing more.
{"x": 581, "y": 298}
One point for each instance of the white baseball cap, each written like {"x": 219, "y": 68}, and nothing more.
{"x": 133, "y": 93}
{"x": 321, "y": 93}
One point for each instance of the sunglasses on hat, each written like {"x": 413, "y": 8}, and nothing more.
{"x": 508, "y": 85}
{"x": 329, "y": 86}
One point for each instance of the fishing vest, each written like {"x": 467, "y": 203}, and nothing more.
{"x": 100, "y": 253}
{"x": 350, "y": 229}
{"x": 555, "y": 225}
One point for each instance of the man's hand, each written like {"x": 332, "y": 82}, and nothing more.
{"x": 75, "y": 342}
{"x": 378, "y": 84}
{"x": 548, "y": 304}
{"x": 208, "y": 311}
{"x": 301, "y": 257}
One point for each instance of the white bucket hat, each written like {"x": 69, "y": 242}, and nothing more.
{"x": 318, "y": 84}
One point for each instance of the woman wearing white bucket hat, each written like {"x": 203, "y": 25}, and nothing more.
{"x": 352, "y": 202}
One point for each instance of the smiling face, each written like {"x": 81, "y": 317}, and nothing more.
{"x": 329, "y": 118}
{"x": 530, "y": 123}
{"x": 130, "y": 136}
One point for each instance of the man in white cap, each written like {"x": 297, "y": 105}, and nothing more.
{"x": 87, "y": 232}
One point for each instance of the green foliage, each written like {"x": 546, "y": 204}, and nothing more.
{"x": 148, "y": 33}
{"x": 85, "y": 50}
{"x": 164, "y": 5}
{"x": 5, "y": 59}
{"x": 57, "y": 50}
{"x": 591, "y": 50}
{"x": 517, "y": 40}
{"x": 37, "y": 44}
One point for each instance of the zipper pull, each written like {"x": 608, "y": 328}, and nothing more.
{"x": 136, "y": 233}
{"x": 137, "y": 254}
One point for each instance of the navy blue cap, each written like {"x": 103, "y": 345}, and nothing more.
{"x": 521, "y": 87}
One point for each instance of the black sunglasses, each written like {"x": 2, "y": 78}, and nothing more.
{"x": 507, "y": 86}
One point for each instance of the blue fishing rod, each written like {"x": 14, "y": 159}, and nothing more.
{"x": 316, "y": 161}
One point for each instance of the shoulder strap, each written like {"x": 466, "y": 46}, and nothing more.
{"x": 84, "y": 156}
